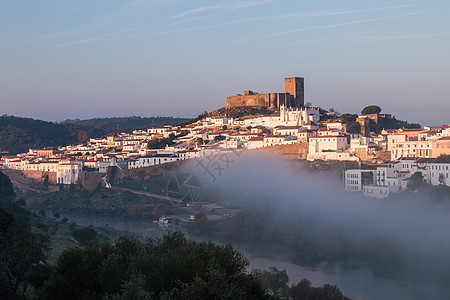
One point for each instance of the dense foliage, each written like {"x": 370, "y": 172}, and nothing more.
{"x": 172, "y": 267}
{"x": 7, "y": 193}
{"x": 22, "y": 251}
{"x": 109, "y": 125}
{"x": 22, "y": 257}
{"x": 345, "y": 118}
{"x": 304, "y": 291}
{"x": 371, "y": 109}
{"x": 240, "y": 111}
{"x": 19, "y": 134}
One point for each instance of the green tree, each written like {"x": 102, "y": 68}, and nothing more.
{"x": 85, "y": 235}
{"x": 304, "y": 291}
{"x": 83, "y": 136}
{"x": 274, "y": 281}
{"x": 219, "y": 137}
{"x": 7, "y": 194}
{"x": 345, "y": 118}
{"x": 22, "y": 257}
{"x": 171, "y": 267}
{"x": 371, "y": 109}
{"x": 415, "y": 182}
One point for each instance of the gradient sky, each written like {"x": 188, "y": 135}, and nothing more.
{"x": 96, "y": 58}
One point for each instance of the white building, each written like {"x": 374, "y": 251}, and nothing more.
{"x": 331, "y": 147}
{"x": 355, "y": 179}
{"x": 161, "y": 157}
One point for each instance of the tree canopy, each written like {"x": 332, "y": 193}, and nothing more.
{"x": 7, "y": 193}
{"x": 345, "y": 118}
{"x": 371, "y": 109}
{"x": 22, "y": 257}
{"x": 172, "y": 267}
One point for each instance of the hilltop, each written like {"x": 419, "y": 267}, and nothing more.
{"x": 18, "y": 134}
{"x": 241, "y": 111}
{"x": 125, "y": 124}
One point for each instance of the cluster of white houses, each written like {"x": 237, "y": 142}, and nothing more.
{"x": 325, "y": 140}
{"x": 394, "y": 177}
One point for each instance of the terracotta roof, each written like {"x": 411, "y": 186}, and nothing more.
{"x": 256, "y": 139}
{"x": 327, "y": 136}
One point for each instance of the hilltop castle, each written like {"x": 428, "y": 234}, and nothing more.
{"x": 293, "y": 96}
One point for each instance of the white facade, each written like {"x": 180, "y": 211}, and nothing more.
{"x": 355, "y": 178}
{"x": 329, "y": 148}
{"x": 376, "y": 191}
{"x": 157, "y": 159}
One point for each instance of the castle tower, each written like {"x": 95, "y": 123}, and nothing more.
{"x": 295, "y": 86}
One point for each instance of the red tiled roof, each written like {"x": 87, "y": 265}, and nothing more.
{"x": 327, "y": 136}
{"x": 256, "y": 139}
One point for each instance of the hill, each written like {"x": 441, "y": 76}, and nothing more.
{"x": 19, "y": 134}
{"x": 241, "y": 111}
{"x": 125, "y": 124}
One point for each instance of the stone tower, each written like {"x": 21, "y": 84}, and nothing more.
{"x": 295, "y": 86}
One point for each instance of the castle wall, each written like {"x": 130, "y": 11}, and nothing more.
{"x": 270, "y": 100}
{"x": 293, "y": 96}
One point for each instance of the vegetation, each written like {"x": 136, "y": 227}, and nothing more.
{"x": 162, "y": 143}
{"x": 19, "y": 134}
{"x": 304, "y": 291}
{"x": 7, "y": 194}
{"x": 241, "y": 111}
{"x": 371, "y": 109}
{"x": 168, "y": 268}
{"x": 345, "y": 118}
{"x": 85, "y": 235}
{"x": 275, "y": 282}
{"x": 22, "y": 257}
{"x": 22, "y": 251}
{"x": 193, "y": 120}
{"x": 125, "y": 124}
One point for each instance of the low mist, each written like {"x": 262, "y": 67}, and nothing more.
{"x": 405, "y": 238}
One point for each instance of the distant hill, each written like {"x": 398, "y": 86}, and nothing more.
{"x": 125, "y": 124}
{"x": 19, "y": 134}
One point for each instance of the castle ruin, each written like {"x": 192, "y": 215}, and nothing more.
{"x": 293, "y": 96}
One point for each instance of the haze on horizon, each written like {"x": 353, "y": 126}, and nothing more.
{"x": 87, "y": 59}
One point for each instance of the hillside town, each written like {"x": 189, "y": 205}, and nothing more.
{"x": 396, "y": 154}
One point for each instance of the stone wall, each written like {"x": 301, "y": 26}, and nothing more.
{"x": 443, "y": 146}
{"x": 270, "y": 100}
{"x": 292, "y": 151}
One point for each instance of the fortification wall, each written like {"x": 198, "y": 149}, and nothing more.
{"x": 247, "y": 100}
{"x": 292, "y": 151}
{"x": 270, "y": 100}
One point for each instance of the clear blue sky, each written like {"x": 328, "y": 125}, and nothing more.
{"x": 95, "y": 58}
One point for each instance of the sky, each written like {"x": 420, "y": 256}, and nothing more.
{"x": 104, "y": 58}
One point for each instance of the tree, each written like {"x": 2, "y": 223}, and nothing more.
{"x": 219, "y": 137}
{"x": 304, "y": 291}
{"x": 85, "y": 235}
{"x": 415, "y": 182}
{"x": 274, "y": 281}
{"x": 171, "y": 267}
{"x": 7, "y": 194}
{"x": 345, "y": 118}
{"x": 22, "y": 257}
{"x": 83, "y": 136}
{"x": 371, "y": 109}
